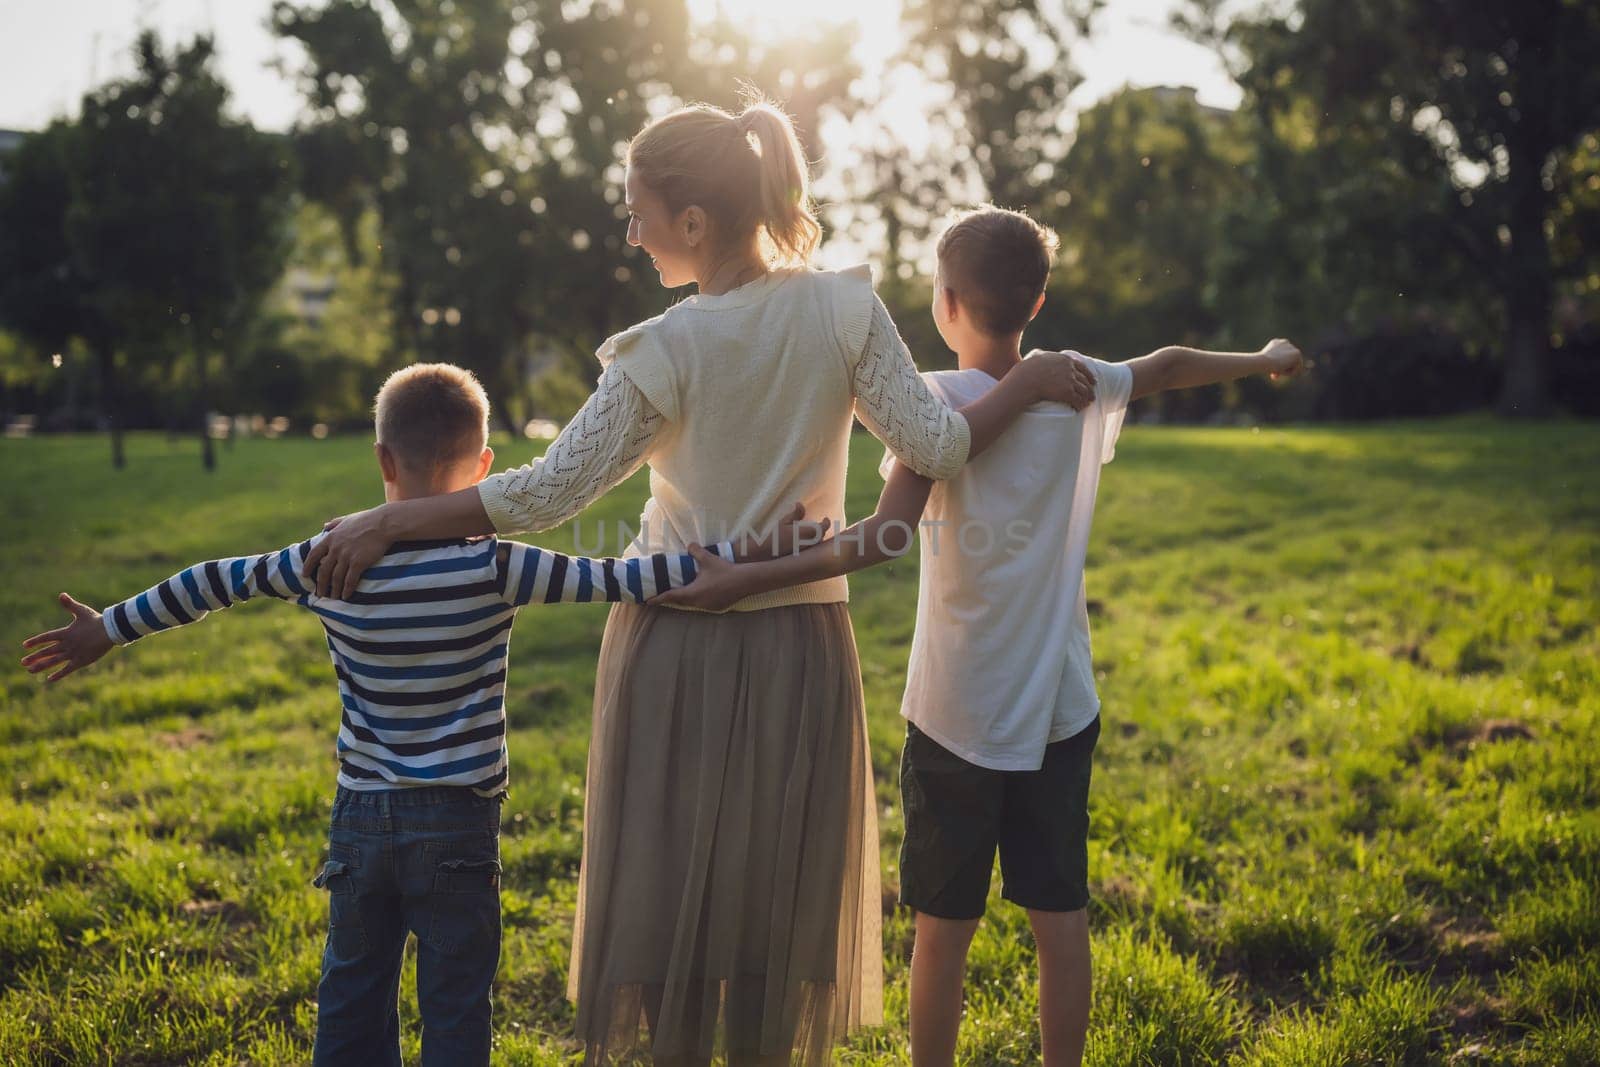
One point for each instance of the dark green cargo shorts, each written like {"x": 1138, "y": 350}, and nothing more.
{"x": 958, "y": 814}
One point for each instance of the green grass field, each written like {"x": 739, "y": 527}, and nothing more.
{"x": 1347, "y": 800}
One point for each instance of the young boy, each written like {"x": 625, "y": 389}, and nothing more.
{"x": 1000, "y": 702}
{"x": 420, "y": 655}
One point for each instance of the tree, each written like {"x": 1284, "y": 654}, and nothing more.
{"x": 991, "y": 78}
{"x": 178, "y": 213}
{"x": 400, "y": 98}
{"x": 488, "y": 139}
{"x": 1492, "y": 96}
{"x": 1007, "y": 67}
{"x": 1137, "y": 205}
{"x": 329, "y": 334}
{"x": 46, "y": 295}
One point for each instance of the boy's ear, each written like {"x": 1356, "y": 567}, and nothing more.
{"x": 952, "y": 306}
{"x": 386, "y": 462}
{"x": 1037, "y": 304}
{"x": 485, "y": 462}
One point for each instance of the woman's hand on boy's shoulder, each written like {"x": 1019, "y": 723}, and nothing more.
{"x": 351, "y": 544}
{"x": 1061, "y": 377}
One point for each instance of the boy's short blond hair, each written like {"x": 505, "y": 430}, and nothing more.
{"x": 996, "y": 262}
{"x": 432, "y": 415}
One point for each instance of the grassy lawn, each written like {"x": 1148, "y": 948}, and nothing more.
{"x": 1347, "y": 800}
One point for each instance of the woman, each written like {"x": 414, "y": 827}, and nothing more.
{"x": 728, "y": 893}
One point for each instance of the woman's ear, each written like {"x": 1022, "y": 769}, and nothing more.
{"x": 692, "y": 225}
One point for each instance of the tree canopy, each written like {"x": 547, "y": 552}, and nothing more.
{"x": 1409, "y": 181}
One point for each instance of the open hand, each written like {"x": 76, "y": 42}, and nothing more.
{"x": 78, "y": 644}
{"x": 1284, "y": 359}
{"x": 717, "y": 584}
{"x": 353, "y": 543}
{"x": 1062, "y": 377}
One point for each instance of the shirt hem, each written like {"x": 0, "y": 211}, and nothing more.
{"x": 378, "y": 785}
{"x": 991, "y": 762}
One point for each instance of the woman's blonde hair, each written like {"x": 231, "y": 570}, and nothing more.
{"x": 745, "y": 171}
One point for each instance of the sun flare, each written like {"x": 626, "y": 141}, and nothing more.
{"x": 876, "y": 22}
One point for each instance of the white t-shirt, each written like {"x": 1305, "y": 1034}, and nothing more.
{"x": 1000, "y": 663}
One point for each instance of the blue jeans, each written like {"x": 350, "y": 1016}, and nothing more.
{"x": 425, "y": 861}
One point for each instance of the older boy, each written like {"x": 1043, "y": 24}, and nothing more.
{"x": 420, "y": 656}
{"x": 1000, "y": 702}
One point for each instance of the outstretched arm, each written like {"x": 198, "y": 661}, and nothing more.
{"x": 1176, "y": 367}
{"x": 179, "y": 600}
{"x": 531, "y": 575}
{"x": 885, "y": 534}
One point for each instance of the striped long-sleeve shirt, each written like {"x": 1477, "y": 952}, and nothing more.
{"x": 420, "y": 650}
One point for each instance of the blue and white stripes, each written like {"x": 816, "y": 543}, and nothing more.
{"x": 420, "y": 649}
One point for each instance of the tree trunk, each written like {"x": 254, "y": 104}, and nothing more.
{"x": 208, "y": 454}
{"x": 1525, "y": 392}
{"x": 106, "y": 354}
{"x": 230, "y": 360}
{"x": 409, "y": 327}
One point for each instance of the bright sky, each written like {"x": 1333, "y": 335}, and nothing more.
{"x": 53, "y": 50}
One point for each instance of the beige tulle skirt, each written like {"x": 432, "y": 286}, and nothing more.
{"x": 729, "y": 899}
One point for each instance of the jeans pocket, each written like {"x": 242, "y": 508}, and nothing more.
{"x": 464, "y": 898}
{"x": 347, "y": 931}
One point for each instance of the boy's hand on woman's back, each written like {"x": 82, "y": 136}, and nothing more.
{"x": 78, "y": 644}
{"x": 790, "y": 534}
{"x": 796, "y": 533}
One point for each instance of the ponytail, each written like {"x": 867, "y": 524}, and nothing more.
{"x": 746, "y": 172}
{"x": 785, "y": 211}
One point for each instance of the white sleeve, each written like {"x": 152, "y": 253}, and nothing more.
{"x": 1113, "y": 387}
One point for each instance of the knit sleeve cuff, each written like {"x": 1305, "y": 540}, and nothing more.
{"x": 959, "y": 447}
{"x": 504, "y": 516}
